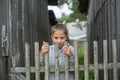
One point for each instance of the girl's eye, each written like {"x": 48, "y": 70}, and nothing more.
{"x": 59, "y": 38}
{"x": 62, "y": 38}
{"x": 56, "y": 37}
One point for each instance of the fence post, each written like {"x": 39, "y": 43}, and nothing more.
{"x": 37, "y": 63}
{"x": 66, "y": 65}
{"x": 27, "y": 60}
{"x": 86, "y": 70}
{"x": 115, "y": 76}
{"x": 56, "y": 62}
{"x": 76, "y": 60}
{"x": 105, "y": 59}
{"x": 96, "y": 60}
{"x": 46, "y": 66}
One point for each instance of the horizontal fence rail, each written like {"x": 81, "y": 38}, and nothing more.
{"x": 86, "y": 67}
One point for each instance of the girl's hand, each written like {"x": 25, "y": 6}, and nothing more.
{"x": 44, "y": 48}
{"x": 67, "y": 50}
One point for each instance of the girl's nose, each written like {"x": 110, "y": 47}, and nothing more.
{"x": 59, "y": 40}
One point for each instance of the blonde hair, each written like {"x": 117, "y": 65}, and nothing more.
{"x": 62, "y": 27}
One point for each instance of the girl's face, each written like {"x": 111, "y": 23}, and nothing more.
{"x": 59, "y": 37}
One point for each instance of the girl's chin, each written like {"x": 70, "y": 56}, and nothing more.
{"x": 60, "y": 47}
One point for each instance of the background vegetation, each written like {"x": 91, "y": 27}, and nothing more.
{"x": 81, "y": 62}
{"x": 72, "y": 4}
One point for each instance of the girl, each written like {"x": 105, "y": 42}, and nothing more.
{"x": 59, "y": 34}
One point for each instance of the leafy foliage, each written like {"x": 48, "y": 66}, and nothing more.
{"x": 81, "y": 56}
{"x": 66, "y": 19}
{"x": 76, "y": 13}
{"x": 81, "y": 62}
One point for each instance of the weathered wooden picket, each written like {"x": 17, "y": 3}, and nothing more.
{"x": 76, "y": 68}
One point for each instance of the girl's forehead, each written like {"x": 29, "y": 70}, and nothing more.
{"x": 59, "y": 31}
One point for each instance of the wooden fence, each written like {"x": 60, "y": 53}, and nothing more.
{"x": 86, "y": 67}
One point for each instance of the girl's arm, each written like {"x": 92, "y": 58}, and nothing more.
{"x": 69, "y": 50}
{"x": 44, "y": 49}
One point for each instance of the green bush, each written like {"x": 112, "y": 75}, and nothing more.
{"x": 81, "y": 56}
{"x": 81, "y": 62}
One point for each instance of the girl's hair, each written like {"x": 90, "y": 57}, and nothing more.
{"x": 62, "y": 27}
